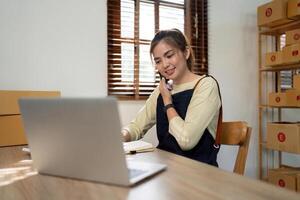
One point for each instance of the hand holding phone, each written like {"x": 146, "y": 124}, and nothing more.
{"x": 165, "y": 90}
{"x": 167, "y": 81}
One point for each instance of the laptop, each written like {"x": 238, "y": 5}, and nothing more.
{"x": 80, "y": 138}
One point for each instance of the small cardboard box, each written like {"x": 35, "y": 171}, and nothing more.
{"x": 296, "y": 82}
{"x": 291, "y": 53}
{"x": 293, "y": 9}
{"x": 274, "y": 58}
{"x": 292, "y": 36}
{"x": 11, "y": 131}
{"x": 284, "y": 177}
{"x": 289, "y": 98}
{"x": 9, "y": 99}
{"x": 272, "y": 14}
{"x": 284, "y": 136}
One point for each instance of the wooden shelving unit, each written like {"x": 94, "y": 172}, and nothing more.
{"x": 279, "y": 30}
{"x": 277, "y": 68}
{"x": 269, "y": 39}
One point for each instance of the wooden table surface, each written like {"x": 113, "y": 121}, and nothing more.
{"x": 183, "y": 179}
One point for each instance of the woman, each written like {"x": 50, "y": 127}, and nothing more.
{"x": 186, "y": 116}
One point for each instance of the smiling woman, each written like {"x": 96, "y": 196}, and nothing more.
{"x": 131, "y": 25}
{"x": 186, "y": 117}
{"x": 171, "y": 51}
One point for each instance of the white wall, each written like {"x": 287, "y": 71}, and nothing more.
{"x": 233, "y": 61}
{"x": 58, "y": 45}
{"x": 61, "y": 45}
{"x": 53, "y": 45}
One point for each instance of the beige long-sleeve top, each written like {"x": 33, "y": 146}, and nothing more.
{"x": 202, "y": 113}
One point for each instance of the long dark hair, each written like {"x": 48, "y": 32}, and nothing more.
{"x": 176, "y": 39}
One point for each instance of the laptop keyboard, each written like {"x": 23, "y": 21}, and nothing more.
{"x": 135, "y": 172}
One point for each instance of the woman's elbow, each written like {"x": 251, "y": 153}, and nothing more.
{"x": 186, "y": 144}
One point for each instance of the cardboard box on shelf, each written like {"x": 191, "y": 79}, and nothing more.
{"x": 296, "y": 82}
{"x": 11, "y": 128}
{"x": 283, "y": 136}
{"x": 9, "y": 99}
{"x": 284, "y": 177}
{"x": 292, "y": 36}
{"x": 291, "y": 53}
{"x": 11, "y": 131}
{"x": 290, "y": 98}
{"x": 273, "y": 58}
{"x": 293, "y": 10}
{"x": 273, "y": 13}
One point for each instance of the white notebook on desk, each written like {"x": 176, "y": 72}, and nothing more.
{"x": 138, "y": 146}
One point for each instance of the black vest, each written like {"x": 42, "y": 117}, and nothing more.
{"x": 204, "y": 151}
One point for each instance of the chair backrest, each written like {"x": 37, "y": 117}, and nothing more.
{"x": 237, "y": 133}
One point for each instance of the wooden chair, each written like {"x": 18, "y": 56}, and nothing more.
{"x": 237, "y": 133}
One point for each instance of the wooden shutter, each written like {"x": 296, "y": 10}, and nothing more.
{"x": 197, "y": 31}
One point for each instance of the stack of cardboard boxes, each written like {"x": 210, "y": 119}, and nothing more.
{"x": 11, "y": 127}
{"x": 283, "y": 136}
{"x": 288, "y": 98}
{"x": 278, "y": 12}
{"x": 290, "y": 53}
{"x": 272, "y": 14}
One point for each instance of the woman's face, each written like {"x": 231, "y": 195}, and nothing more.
{"x": 170, "y": 62}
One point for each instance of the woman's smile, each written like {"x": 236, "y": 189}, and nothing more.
{"x": 170, "y": 71}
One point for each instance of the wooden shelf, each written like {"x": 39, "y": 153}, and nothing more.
{"x": 271, "y": 81}
{"x": 263, "y": 144}
{"x": 281, "y": 67}
{"x": 279, "y": 30}
{"x": 284, "y": 107}
{"x": 264, "y": 106}
{"x": 265, "y": 179}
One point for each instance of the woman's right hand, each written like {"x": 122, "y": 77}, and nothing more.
{"x": 126, "y": 136}
{"x": 165, "y": 92}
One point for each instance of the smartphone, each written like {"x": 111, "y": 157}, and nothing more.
{"x": 161, "y": 76}
{"x": 168, "y": 83}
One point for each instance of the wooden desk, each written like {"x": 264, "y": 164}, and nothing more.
{"x": 184, "y": 179}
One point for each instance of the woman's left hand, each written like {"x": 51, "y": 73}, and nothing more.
{"x": 165, "y": 93}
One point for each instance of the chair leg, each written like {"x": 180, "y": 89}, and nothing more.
{"x": 241, "y": 159}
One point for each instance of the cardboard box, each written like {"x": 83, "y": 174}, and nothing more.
{"x": 293, "y": 9}
{"x": 296, "y": 82}
{"x": 11, "y": 131}
{"x": 284, "y": 136}
{"x": 291, "y": 53}
{"x": 9, "y": 99}
{"x": 284, "y": 177}
{"x": 273, "y": 13}
{"x": 290, "y": 98}
{"x": 274, "y": 58}
{"x": 292, "y": 36}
